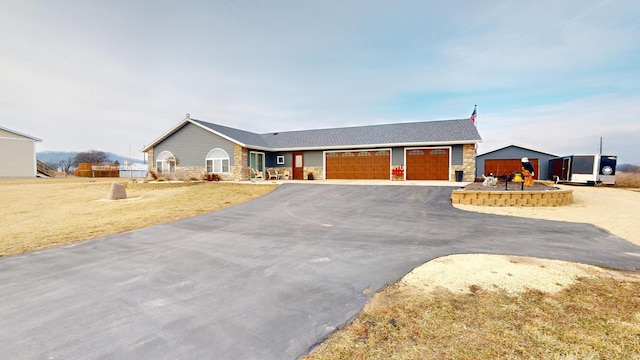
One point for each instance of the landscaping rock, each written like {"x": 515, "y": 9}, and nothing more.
{"x": 117, "y": 192}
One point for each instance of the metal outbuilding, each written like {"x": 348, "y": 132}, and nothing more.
{"x": 506, "y": 160}
{"x": 18, "y": 154}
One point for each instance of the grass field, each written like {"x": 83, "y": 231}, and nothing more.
{"x": 592, "y": 319}
{"x": 628, "y": 180}
{"x": 41, "y": 213}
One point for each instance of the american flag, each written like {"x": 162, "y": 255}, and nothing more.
{"x": 473, "y": 116}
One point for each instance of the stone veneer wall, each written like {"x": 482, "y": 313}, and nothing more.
{"x": 512, "y": 198}
{"x": 150, "y": 161}
{"x": 468, "y": 163}
{"x": 318, "y": 172}
{"x": 240, "y": 169}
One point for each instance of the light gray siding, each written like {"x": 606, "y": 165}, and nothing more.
{"x": 313, "y": 158}
{"x": 456, "y": 155}
{"x": 397, "y": 156}
{"x": 191, "y": 144}
{"x": 18, "y": 155}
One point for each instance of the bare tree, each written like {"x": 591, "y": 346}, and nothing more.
{"x": 66, "y": 164}
{"x": 91, "y": 157}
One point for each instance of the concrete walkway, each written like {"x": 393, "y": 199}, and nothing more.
{"x": 266, "y": 279}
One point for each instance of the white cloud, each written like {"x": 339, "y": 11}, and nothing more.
{"x": 117, "y": 74}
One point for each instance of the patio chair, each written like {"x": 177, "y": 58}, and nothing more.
{"x": 286, "y": 175}
{"x": 257, "y": 174}
{"x": 272, "y": 174}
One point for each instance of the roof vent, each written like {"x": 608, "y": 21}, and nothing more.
{"x": 275, "y": 133}
{"x": 188, "y": 116}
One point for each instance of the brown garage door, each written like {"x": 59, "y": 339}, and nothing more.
{"x": 507, "y": 166}
{"x": 366, "y": 164}
{"x": 427, "y": 164}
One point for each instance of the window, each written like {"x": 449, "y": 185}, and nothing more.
{"x": 166, "y": 162}
{"x": 280, "y": 159}
{"x": 256, "y": 162}
{"x": 217, "y": 161}
{"x": 583, "y": 164}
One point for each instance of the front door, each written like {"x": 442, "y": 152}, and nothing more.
{"x": 298, "y": 166}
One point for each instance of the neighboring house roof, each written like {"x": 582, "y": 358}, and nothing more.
{"x": 21, "y": 134}
{"x": 516, "y": 146}
{"x": 461, "y": 131}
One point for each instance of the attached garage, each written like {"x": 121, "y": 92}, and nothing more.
{"x": 358, "y": 164}
{"x": 427, "y": 164}
{"x": 507, "y": 166}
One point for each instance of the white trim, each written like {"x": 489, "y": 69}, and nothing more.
{"x": 219, "y": 134}
{"x": 35, "y": 160}
{"x": 404, "y": 154}
{"x": 213, "y": 165}
{"x": 164, "y": 161}
{"x": 20, "y": 139}
{"x": 165, "y": 135}
{"x": 19, "y": 134}
{"x": 367, "y": 146}
{"x": 518, "y": 146}
{"x": 264, "y": 164}
{"x": 324, "y": 158}
{"x": 309, "y": 148}
{"x": 190, "y": 121}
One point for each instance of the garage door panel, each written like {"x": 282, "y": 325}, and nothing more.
{"x": 427, "y": 164}
{"x": 507, "y": 166}
{"x": 366, "y": 164}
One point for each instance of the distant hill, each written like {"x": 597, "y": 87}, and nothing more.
{"x": 55, "y": 157}
{"x": 628, "y": 168}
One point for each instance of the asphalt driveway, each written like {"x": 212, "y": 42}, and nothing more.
{"x": 266, "y": 279}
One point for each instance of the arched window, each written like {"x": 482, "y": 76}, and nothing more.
{"x": 166, "y": 162}
{"x": 217, "y": 161}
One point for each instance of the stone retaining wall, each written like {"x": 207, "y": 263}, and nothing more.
{"x": 161, "y": 184}
{"x": 512, "y": 198}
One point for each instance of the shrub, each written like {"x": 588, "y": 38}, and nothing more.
{"x": 627, "y": 180}
{"x": 211, "y": 177}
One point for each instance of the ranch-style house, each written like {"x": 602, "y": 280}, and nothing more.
{"x": 428, "y": 150}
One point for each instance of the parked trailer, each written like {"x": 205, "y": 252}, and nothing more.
{"x": 584, "y": 169}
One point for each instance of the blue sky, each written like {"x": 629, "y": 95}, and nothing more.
{"x": 113, "y": 75}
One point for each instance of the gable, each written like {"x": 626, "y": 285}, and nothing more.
{"x": 514, "y": 151}
{"x": 10, "y": 134}
{"x": 191, "y": 142}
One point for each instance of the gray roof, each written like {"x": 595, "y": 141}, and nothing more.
{"x": 519, "y": 147}
{"x": 411, "y": 133}
{"x": 241, "y": 136}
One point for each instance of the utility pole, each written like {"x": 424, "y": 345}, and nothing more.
{"x": 600, "y": 145}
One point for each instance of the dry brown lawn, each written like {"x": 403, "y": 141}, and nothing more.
{"x": 628, "y": 180}
{"x": 593, "y": 318}
{"x": 41, "y": 213}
